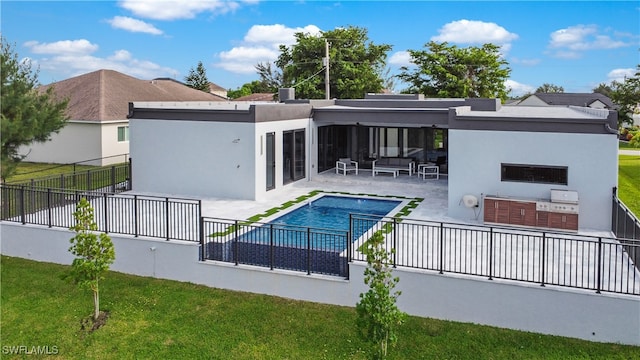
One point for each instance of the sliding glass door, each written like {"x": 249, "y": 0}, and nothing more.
{"x": 293, "y": 155}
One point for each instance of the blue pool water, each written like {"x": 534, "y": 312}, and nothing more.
{"x": 332, "y": 212}
{"x": 328, "y": 212}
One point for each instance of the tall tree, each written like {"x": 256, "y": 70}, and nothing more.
{"x": 197, "y": 78}
{"x": 355, "y": 64}
{"x": 626, "y": 95}
{"x": 444, "y": 70}
{"x": 253, "y": 87}
{"x": 547, "y": 88}
{"x": 29, "y": 114}
{"x": 269, "y": 77}
{"x": 603, "y": 89}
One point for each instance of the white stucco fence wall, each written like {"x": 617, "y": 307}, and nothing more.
{"x": 528, "y": 307}
{"x": 475, "y": 157}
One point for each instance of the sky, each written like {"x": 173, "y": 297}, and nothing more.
{"x": 573, "y": 44}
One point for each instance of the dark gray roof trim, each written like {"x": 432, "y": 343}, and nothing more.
{"x": 575, "y": 126}
{"x": 255, "y": 114}
{"x": 381, "y": 117}
{"x": 475, "y": 104}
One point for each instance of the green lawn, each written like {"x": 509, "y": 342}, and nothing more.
{"x": 28, "y": 170}
{"x": 629, "y": 182}
{"x": 151, "y": 318}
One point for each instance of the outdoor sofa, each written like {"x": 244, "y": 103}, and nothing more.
{"x": 393, "y": 164}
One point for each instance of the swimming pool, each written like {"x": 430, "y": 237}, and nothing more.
{"x": 330, "y": 213}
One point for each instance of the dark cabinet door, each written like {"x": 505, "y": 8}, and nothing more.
{"x": 522, "y": 213}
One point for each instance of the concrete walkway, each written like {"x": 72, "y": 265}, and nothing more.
{"x": 629, "y": 152}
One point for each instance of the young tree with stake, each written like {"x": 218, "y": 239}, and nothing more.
{"x": 95, "y": 252}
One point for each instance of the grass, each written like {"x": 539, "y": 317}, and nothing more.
{"x": 29, "y": 170}
{"x": 152, "y": 318}
{"x": 629, "y": 182}
{"x": 624, "y": 145}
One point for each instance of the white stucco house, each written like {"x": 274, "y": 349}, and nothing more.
{"x": 591, "y": 100}
{"x": 523, "y": 154}
{"x": 97, "y": 132}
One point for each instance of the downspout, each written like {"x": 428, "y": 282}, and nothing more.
{"x": 610, "y": 130}
{"x": 311, "y": 144}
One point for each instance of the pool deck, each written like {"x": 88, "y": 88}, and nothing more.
{"x": 434, "y": 207}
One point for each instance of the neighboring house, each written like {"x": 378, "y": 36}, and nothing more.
{"x": 98, "y": 127}
{"x": 512, "y": 152}
{"x": 218, "y": 90}
{"x": 258, "y": 97}
{"x": 593, "y": 100}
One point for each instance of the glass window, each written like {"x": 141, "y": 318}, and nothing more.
{"x": 123, "y": 133}
{"x": 535, "y": 173}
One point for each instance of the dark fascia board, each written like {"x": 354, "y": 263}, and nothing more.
{"x": 381, "y": 117}
{"x": 535, "y": 124}
{"x": 255, "y": 113}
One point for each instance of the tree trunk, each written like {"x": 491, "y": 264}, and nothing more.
{"x": 96, "y": 303}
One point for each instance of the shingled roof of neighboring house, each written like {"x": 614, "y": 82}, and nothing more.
{"x": 257, "y": 97}
{"x": 104, "y": 95}
{"x": 575, "y": 99}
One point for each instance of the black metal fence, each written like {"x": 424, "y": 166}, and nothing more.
{"x": 157, "y": 217}
{"x": 276, "y": 246}
{"x": 113, "y": 179}
{"x": 626, "y": 226}
{"x": 545, "y": 258}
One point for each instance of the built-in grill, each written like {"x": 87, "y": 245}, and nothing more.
{"x": 565, "y": 201}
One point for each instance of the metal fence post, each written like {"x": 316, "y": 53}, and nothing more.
{"x": 348, "y": 260}
{"x": 203, "y": 250}
{"x": 22, "y": 210}
{"x": 271, "y": 246}
{"x": 598, "y": 275}
{"x": 106, "y": 213}
{"x": 491, "y": 253}
{"x": 308, "y": 251}
{"x": 135, "y": 215}
{"x": 349, "y": 242}
{"x": 49, "y": 205}
{"x": 395, "y": 242}
{"x": 113, "y": 178}
{"x": 543, "y": 259}
{"x": 441, "y": 248}
{"x": 130, "y": 177}
{"x": 235, "y": 243}
{"x": 88, "y": 180}
{"x": 166, "y": 214}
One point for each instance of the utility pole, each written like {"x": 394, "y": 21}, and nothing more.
{"x": 326, "y": 70}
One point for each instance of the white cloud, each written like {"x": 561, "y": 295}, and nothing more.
{"x": 133, "y": 25}
{"x": 474, "y": 32}
{"x": 400, "y": 58}
{"x": 620, "y": 74}
{"x": 572, "y": 41}
{"x": 277, "y": 34}
{"x": 173, "y": 10}
{"x": 74, "y": 57}
{"x": 68, "y": 47}
{"x": 518, "y": 89}
{"x": 260, "y": 44}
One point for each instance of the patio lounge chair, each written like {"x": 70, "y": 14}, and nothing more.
{"x": 345, "y": 165}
